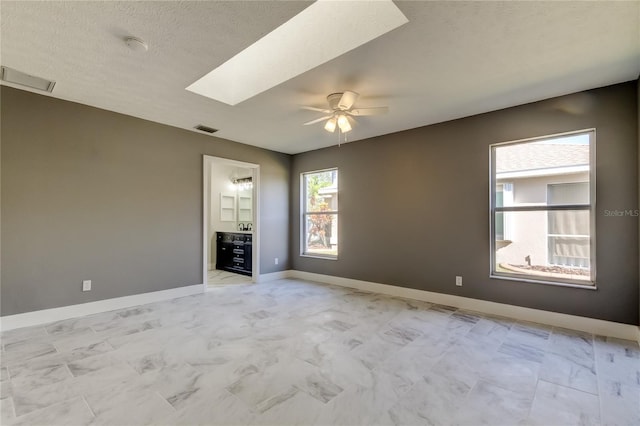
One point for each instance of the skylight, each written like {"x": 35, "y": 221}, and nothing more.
{"x": 318, "y": 34}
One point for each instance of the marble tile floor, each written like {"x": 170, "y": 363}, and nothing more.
{"x": 292, "y": 352}
{"x": 217, "y": 278}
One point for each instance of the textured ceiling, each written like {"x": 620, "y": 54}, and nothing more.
{"x": 452, "y": 59}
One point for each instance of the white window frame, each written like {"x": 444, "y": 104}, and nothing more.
{"x": 507, "y": 200}
{"x": 305, "y": 213}
{"x": 512, "y": 276}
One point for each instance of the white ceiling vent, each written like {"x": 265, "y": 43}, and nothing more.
{"x": 18, "y": 77}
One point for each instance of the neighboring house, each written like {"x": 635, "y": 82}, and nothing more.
{"x": 543, "y": 173}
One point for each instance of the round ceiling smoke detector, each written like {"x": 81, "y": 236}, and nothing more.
{"x": 136, "y": 44}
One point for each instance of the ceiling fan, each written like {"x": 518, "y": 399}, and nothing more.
{"x": 341, "y": 111}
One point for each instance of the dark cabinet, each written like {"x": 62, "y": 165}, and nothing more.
{"x": 224, "y": 250}
{"x": 234, "y": 252}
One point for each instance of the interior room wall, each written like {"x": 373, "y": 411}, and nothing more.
{"x": 92, "y": 194}
{"x": 414, "y": 205}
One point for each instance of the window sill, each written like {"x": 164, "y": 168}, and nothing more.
{"x": 587, "y": 286}
{"x": 319, "y": 256}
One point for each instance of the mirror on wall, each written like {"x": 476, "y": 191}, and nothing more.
{"x": 231, "y": 208}
{"x": 236, "y": 203}
{"x": 244, "y": 202}
{"x": 237, "y": 207}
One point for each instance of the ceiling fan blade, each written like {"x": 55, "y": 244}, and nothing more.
{"x": 369, "y": 111}
{"x": 347, "y": 100}
{"x": 317, "y": 120}
{"x": 310, "y": 108}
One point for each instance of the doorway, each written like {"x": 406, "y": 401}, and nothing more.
{"x": 231, "y": 191}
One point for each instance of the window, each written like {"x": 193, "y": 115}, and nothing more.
{"x": 320, "y": 213}
{"x": 542, "y": 209}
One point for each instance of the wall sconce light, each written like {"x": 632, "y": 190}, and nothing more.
{"x": 243, "y": 184}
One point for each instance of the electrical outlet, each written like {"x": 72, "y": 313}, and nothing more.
{"x": 459, "y": 281}
{"x": 276, "y": 260}
{"x": 86, "y": 285}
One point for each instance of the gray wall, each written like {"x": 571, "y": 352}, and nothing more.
{"x": 414, "y": 205}
{"x": 91, "y": 194}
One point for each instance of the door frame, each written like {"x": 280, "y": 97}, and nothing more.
{"x": 208, "y": 162}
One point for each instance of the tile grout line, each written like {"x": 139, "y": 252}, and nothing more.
{"x": 535, "y": 394}
{"x": 88, "y": 406}
{"x": 73, "y": 376}
{"x": 175, "y": 410}
{"x": 13, "y": 407}
{"x": 244, "y": 404}
{"x": 566, "y": 357}
{"x": 598, "y": 377}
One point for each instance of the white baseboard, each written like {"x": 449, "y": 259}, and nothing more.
{"x": 589, "y": 325}
{"x": 44, "y": 316}
{"x": 263, "y": 278}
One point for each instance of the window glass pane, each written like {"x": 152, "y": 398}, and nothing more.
{"x": 499, "y": 226}
{"x": 321, "y": 191}
{"x": 321, "y": 234}
{"x": 569, "y": 222}
{"x": 533, "y": 251}
{"x": 568, "y": 193}
{"x": 554, "y": 171}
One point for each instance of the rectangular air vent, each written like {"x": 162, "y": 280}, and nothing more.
{"x": 205, "y": 129}
{"x": 18, "y": 77}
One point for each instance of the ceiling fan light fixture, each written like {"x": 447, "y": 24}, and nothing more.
{"x": 343, "y": 123}
{"x": 347, "y": 99}
{"x": 330, "y": 125}
{"x": 341, "y": 112}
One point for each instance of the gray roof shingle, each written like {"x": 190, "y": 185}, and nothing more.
{"x": 534, "y": 156}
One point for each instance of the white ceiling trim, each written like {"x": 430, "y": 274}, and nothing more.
{"x": 318, "y": 34}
